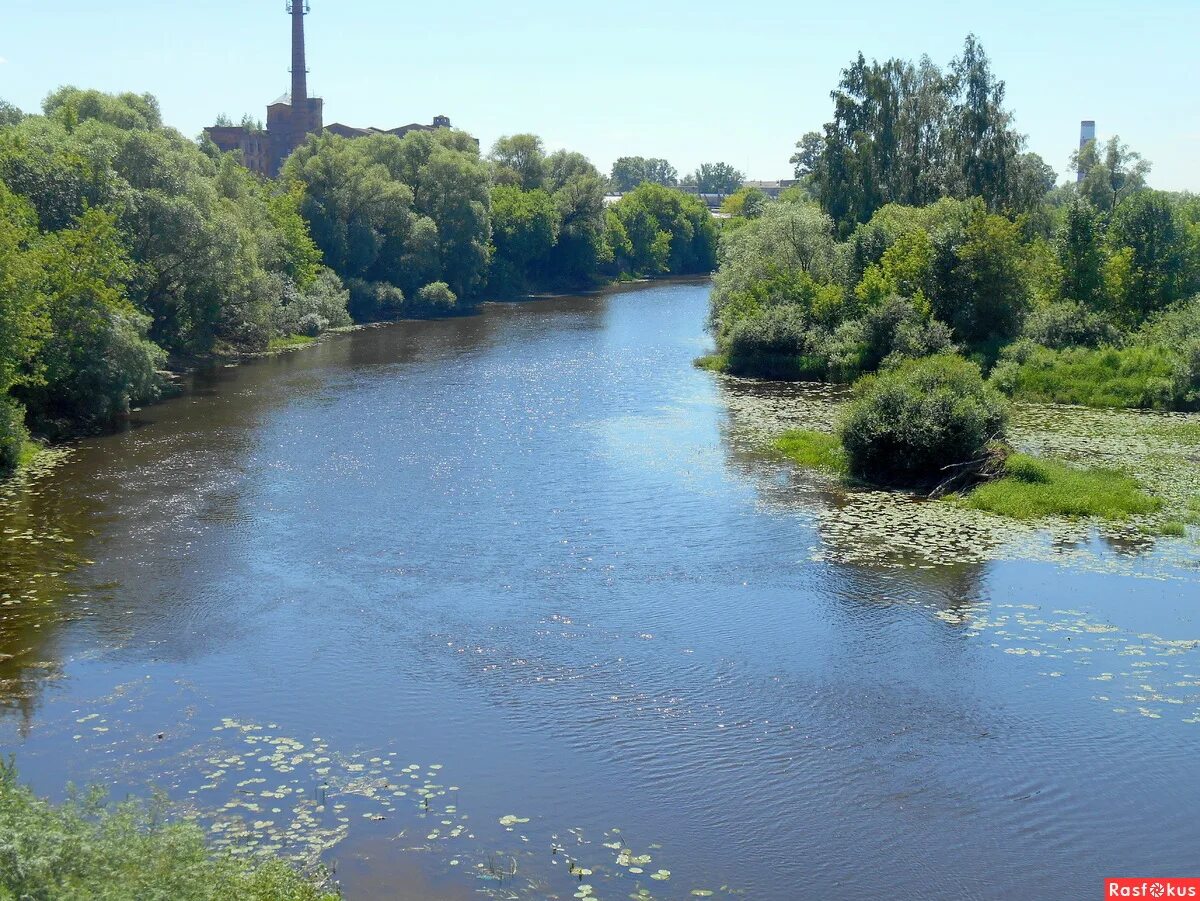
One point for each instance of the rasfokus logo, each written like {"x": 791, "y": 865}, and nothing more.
{"x": 1152, "y": 888}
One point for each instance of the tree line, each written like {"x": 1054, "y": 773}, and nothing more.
{"x": 126, "y": 247}
{"x": 920, "y": 228}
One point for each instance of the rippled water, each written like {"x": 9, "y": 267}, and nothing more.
{"x": 437, "y": 601}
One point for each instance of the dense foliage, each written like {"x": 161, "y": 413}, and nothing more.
{"x": 87, "y": 849}
{"x": 908, "y": 424}
{"x": 126, "y": 248}
{"x": 1086, "y": 297}
{"x": 911, "y": 133}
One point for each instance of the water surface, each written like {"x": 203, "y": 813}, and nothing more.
{"x": 538, "y": 556}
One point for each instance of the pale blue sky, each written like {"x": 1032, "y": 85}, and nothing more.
{"x": 688, "y": 80}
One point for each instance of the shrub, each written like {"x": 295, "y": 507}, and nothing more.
{"x": 437, "y": 298}
{"x": 1032, "y": 489}
{"x": 372, "y": 300}
{"x": 769, "y": 344}
{"x": 899, "y": 329}
{"x": 85, "y": 849}
{"x": 1069, "y": 324}
{"x": 908, "y": 424}
{"x": 13, "y": 434}
{"x": 323, "y": 305}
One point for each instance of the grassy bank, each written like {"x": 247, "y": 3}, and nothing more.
{"x": 813, "y": 450}
{"x": 289, "y": 342}
{"x": 1035, "y": 489}
{"x": 1133, "y": 377}
{"x": 85, "y": 849}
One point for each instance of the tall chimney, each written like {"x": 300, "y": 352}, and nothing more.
{"x": 1087, "y": 134}
{"x": 298, "y": 9}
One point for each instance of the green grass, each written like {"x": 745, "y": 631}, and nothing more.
{"x": 30, "y": 451}
{"x": 813, "y": 450}
{"x": 84, "y": 849}
{"x": 1033, "y": 489}
{"x": 1129, "y": 378}
{"x": 289, "y": 342}
{"x": 713, "y": 363}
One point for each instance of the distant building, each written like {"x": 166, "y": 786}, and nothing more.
{"x": 1087, "y": 134}
{"x": 295, "y": 116}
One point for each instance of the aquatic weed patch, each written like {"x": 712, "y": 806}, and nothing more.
{"x": 259, "y": 795}
{"x": 1140, "y": 673}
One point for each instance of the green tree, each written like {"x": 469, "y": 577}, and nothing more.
{"x": 21, "y": 325}
{"x": 747, "y": 202}
{"x": 519, "y": 160}
{"x": 1081, "y": 255}
{"x": 9, "y": 114}
{"x": 1148, "y": 234}
{"x": 630, "y": 171}
{"x": 1110, "y": 174}
{"x": 524, "y": 230}
{"x": 95, "y": 361}
{"x": 717, "y": 178}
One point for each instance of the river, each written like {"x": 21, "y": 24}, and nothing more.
{"x": 435, "y": 602}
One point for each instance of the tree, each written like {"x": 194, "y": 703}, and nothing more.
{"x": 125, "y": 111}
{"x": 1081, "y": 256}
{"x": 910, "y": 133}
{"x": 1109, "y": 175}
{"x": 21, "y": 326}
{"x": 95, "y": 361}
{"x": 718, "y": 178}
{"x": 524, "y": 230}
{"x": 668, "y": 231}
{"x": 520, "y": 160}
{"x": 9, "y": 114}
{"x": 630, "y": 171}
{"x": 788, "y": 238}
{"x": 748, "y": 203}
{"x": 1148, "y": 234}
{"x": 979, "y": 279}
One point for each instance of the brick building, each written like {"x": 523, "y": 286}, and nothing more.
{"x": 293, "y": 117}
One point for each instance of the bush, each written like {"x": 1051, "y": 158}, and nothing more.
{"x": 908, "y": 424}
{"x": 1149, "y": 378}
{"x": 84, "y": 849}
{"x": 1069, "y": 324}
{"x": 373, "y": 300}
{"x": 322, "y": 306}
{"x": 97, "y": 365}
{"x": 13, "y": 434}
{"x": 770, "y": 344}
{"x": 437, "y": 298}
{"x": 898, "y": 329}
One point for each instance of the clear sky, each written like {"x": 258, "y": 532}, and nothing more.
{"x": 689, "y": 80}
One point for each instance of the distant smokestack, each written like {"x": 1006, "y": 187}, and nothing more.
{"x": 298, "y": 9}
{"x": 1087, "y": 134}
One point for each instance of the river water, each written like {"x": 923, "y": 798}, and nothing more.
{"x": 441, "y": 602}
